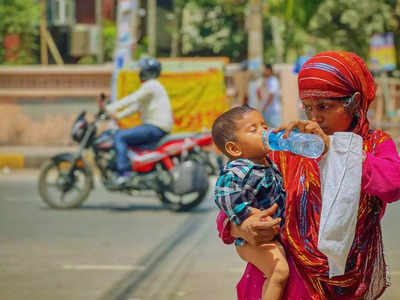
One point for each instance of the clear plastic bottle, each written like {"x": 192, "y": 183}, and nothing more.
{"x": 305, "y": 144}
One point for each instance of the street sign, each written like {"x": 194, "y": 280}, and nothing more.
{"x": 382, "y": 52}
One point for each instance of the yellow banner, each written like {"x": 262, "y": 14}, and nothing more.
{"x": 197, "y": 98}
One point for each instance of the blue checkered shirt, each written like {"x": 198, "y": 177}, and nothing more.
{"x": 243, "y": 184}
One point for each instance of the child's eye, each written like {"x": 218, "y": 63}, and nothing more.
{"x": 253, "y": 128}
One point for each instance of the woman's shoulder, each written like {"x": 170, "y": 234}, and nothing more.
{"x": 376, "y": 137}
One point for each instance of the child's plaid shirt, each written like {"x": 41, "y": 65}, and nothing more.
{"x": 243, "y": 184}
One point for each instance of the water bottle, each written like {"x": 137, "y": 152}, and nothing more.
{"x": 305, "y": 144}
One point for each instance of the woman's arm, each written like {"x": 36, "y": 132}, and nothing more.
{"x": 381, "y": 172}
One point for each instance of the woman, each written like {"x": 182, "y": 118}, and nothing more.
{"x": 336, "y": 89}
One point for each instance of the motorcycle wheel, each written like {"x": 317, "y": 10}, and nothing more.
{"x": 181, "y": 203}
{"x": 214, "y": 162}
{"x": 60, "y": 192}
{"x": 210, "y": 160}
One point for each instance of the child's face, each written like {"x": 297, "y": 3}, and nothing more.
{"x": 249, "y": 142}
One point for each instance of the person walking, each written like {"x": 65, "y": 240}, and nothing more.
{"x": 268, "y": 94}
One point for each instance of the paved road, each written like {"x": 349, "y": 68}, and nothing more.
{"x": 116, "y": 247}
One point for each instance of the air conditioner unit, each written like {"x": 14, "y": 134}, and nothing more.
{"x": 84, "y": 40}
{"x": 61, "y": 12}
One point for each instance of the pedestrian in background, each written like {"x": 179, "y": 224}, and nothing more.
{"x": 268, "y": 94}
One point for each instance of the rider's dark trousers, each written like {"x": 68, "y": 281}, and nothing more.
{"x": 137, "y": 136}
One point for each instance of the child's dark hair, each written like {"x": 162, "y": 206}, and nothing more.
{"x": 224, "y": 127}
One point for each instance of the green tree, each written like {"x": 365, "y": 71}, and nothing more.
{"x": 349, "y": 24}
{"x": 214, "y": 27}
{"x": 22, "y": 18}
{"x": 290, "y": 21}
{"x": 218, "y": 27}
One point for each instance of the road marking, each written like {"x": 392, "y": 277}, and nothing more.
{"x": 103, "y": 267}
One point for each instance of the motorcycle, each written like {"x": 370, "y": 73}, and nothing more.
{"x": 176, "y": 168}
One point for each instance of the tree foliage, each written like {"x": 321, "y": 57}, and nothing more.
{"x": 214, "y": 27}
{"x": 293, "y": 20}
{"x": 21, "y": 17}
{"x": 349, "y": 24}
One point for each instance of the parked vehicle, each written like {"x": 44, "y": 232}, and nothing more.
{"x": 176, "y": 168}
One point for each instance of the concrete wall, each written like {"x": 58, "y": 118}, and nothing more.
{"x": 40, "y": 122}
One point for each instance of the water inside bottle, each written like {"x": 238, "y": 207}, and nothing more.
{"x": 304, "y": 144}
{"x": 308, "y": 145}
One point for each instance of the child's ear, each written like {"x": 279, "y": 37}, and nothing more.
{"x": 233, "y": 149}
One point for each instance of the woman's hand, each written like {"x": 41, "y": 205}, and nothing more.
{"x": 259, "y": 228}
{"x": 306, "y": 127}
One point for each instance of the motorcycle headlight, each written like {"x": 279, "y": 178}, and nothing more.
{"x": 78, "y": 130}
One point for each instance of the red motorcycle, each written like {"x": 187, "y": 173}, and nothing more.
{"x": 176, "y": 168}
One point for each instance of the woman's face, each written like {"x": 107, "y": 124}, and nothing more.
{"x": 329, "y": 114}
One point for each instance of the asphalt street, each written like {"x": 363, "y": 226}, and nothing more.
{"x": 121, "y": 247}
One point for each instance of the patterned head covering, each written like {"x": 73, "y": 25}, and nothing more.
{"x": 338, "y": 74}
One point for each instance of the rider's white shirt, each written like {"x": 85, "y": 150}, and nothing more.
{"x": 151, "y": 101}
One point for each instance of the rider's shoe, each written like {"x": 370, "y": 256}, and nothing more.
{"x": 120, "y": 181}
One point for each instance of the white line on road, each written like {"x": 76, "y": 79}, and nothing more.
{"x": 102, "y": 267}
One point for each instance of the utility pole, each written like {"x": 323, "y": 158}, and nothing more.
{"x": 125, "y": 40}
{"x": 276, "y": 38}
{"x": 176, "y": 31}
{"x": 255, "y": 48}
{"x": 44, "y": 58}
{"x": 152, "y": 26}
{"x": 99, "y": 24}
{"x": 135, "y": 28}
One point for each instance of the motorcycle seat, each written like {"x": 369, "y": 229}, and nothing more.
{"x": 168, "y": 138}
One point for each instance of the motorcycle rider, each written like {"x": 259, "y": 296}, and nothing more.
{"x": 152, "y": 102}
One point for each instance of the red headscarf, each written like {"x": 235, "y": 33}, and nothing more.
{"x": 338, "y": 74}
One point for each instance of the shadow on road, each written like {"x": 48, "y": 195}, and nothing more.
{"x": 130, "y": 208}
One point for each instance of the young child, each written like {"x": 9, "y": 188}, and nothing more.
{"x": 250, "y": 182}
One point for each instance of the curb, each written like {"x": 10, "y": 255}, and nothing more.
{"x": 12, "y": 160}
{"x": 19, "y": 157}
{"x": 32, "y": 158}
{"x": 21, "y": 161}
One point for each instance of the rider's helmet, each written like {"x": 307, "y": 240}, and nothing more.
{"x": 150, "y": 68}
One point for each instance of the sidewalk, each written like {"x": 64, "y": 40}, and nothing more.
{"x": 31, "y": 157}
